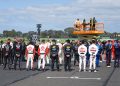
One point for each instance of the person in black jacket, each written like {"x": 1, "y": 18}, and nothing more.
{"x": 17, "y": 52}
{"x": 67, "y": 55}
{"x": 108, "y": 53}
{"x": 54, "y": 50}
{"x": 23, "y": 50}
{"x": 75, "y": 51}
{"x": 7, "y": 54}
{"x": 1, "y": 53}
{"x": 117, "y": 54}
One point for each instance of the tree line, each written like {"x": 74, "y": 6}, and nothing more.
{"x": 66, "y": 33}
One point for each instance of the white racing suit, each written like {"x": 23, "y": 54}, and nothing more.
{"x": 82, "y": 50}
{"x": 93, "y": 50}
{"x": 48, "y": 54}
{"x": 60, "y": 53}
{"x": 30, "y": 52}
{"x": 42, "y": 51}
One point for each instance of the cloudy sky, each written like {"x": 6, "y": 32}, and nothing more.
{"x": 23, "y": 15}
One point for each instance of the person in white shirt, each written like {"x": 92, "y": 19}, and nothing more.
{"x": 93, "y": 50}
{"x": 60, "y": 51}
{"x": 77, "y": 25}
{"x": 30, "y": 53}
{"x": 82, "y": 50}
{"x": 42, "y": 52}
{"x": 48, "y": 54}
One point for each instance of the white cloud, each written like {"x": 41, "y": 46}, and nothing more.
{"x": 64, "y": 15}
{"x": 2, "y": 20}
{"x": 98, "y": 3}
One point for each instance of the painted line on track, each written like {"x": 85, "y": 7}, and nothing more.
{"x": 74, "y": 77}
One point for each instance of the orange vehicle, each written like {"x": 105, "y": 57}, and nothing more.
{"x": 87, "y": 32}
{"x": 99, "y": 29}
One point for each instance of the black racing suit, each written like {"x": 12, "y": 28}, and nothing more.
{"x": 17, "y": 53}
{"x": 54, "y": 49}
{"x": 7, "y": 55}
{"x": 76, "y": 55}
{"x": 1, "y": 57}
{"x": 67, "y": 56}
{"x": 23, "y": 51}
{"x": 117, "y": 55}
{"x": 108, "y": 54}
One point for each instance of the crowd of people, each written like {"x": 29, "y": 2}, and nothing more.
{"x": 86, "y": 53}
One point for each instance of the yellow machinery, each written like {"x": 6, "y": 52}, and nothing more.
{"x": 87, "y": 32}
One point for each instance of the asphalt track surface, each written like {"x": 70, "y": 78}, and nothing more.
{"x": 103, "y": 77}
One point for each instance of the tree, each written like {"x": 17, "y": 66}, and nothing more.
{"x": 19, "y": 33}
{"x": 43, "y": 34}
{"x": 68, "y": 32}
{"x": 11, "y": 33}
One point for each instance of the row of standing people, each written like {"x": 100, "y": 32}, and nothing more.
{"x": 11, "y": 52}
{"x": 82, "y": 52}
{"x": 107, "y": 50}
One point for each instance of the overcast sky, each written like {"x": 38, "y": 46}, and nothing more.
{"x": 23, "y": 15}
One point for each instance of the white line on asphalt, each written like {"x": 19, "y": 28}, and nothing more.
{"x": 58, "y": 77}
{"x": 74, "y": 77}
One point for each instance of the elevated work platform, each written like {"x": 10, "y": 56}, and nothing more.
{"x": 95, "y": 32}
{"x": 89, "y": 31}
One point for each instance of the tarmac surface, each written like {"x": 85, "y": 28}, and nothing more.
{"x": 103, "y": 77}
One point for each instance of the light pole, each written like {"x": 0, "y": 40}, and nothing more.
{"x": 39, "y": 30}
